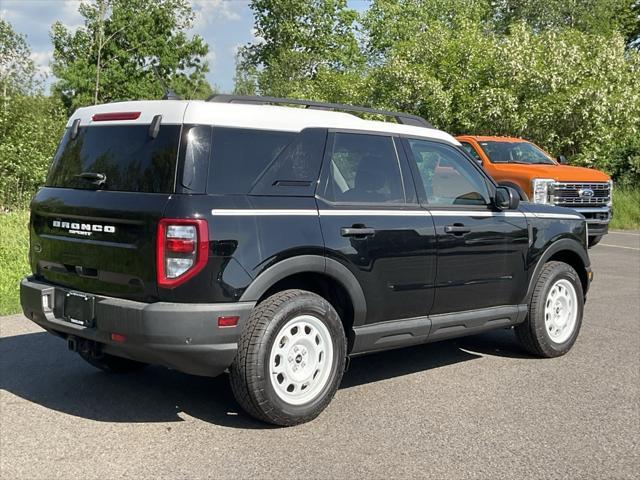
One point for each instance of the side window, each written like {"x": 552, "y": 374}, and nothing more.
{"x": 240, "y": 156}
{"x": 472, "y": 151}
{"x": 295, "y": 171}
{"x": 196, "y": 148}
{"x": 364, "y": 169}
{"x": 448, "y": 177}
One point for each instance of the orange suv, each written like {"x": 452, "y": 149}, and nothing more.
{"x": 520, "y": 164}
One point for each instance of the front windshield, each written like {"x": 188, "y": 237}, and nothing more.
{"x": 515, "y": 152}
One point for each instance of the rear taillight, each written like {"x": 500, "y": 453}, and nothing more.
{"x": 181, "y": 250}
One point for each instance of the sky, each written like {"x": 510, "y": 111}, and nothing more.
{"x": 224, "y": 24}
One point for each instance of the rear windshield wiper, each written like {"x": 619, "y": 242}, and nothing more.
{"x": 98, "y": 179}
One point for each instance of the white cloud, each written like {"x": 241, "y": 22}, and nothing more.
{"x": 42, "y": 61}
{"x": 41, "y": 12}
{"x": 255, "y": 38}
{"x": 233, "y": 49}
{"x": 211, "y": 56}
{"x": 210, "y": 11}
{"x": 70, "y": 15}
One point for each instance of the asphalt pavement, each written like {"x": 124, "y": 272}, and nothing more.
{"x": 477, "y": 407}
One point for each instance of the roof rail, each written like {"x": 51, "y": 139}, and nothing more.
{"x": 404, "y": 118}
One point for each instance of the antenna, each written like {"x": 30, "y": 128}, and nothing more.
{"x": 168, "y": 93}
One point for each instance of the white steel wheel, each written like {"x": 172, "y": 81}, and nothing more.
{"x": 301, "y": 360}
{"x": 561, "y": 311}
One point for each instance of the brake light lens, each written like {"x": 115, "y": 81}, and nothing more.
{"x": 112, "y": 116}
{"x": 118, "y": 337}
{"x": 181, "y": 250}
{"x": 228, "y": 321}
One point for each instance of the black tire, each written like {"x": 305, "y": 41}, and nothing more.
{"x": 111, "y": 363}
{"x": 593, "y": 241}
{"x": 250, "y": 371}
{"x": 533, "y": 334}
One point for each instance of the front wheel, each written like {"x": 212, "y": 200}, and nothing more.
{"x": 555, "y": 312}
{"x": 290, "y": 359}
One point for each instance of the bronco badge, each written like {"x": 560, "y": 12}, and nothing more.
{"x": 85, "y": 229}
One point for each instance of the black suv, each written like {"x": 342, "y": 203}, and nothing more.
{"x": 276, "y": 242}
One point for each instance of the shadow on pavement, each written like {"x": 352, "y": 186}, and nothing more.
{"x": 38, "y": 368}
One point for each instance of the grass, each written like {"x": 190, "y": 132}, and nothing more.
{"x": 626, "y": 209}
{"x": 14, "y": 248}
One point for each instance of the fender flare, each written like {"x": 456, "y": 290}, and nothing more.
{"x": 310, "y": 264}
{"x": 564, "y": 244}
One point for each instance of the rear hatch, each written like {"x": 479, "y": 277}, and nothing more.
{"x": 93, "y": 226}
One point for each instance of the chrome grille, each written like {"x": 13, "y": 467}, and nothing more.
{"x": 568, "y": 194}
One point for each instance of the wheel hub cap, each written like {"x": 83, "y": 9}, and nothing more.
{"x": 561, "y": 311}
{"x": 301, "y": 359}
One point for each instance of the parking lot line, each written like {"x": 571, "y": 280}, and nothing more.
{"x": 618, "y": 246}
{"x": 625, "y": 233}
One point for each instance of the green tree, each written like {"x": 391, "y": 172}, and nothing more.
{"x": 30, "y": 123}
{"x": 633, "y": 37}
{"x": 245, "y": 77}
{"x": 562, "y": 78}
{"x": 29, "y": 133}
{"x": 603, "y": 17}
{"x": 299, "y": 42}
{"x": 129, "y": 49}
{"x": 575, "y": 93}
{"x": 17, "y": 70}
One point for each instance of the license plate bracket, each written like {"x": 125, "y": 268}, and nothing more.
{"x": 79, "y": 309}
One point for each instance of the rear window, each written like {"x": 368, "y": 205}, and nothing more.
{"x": 240, "y": 156}
{"x": 126, "y": 155}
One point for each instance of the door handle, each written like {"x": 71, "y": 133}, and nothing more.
{"x": 357, "y": 231}
{"x": 456, "y": 229}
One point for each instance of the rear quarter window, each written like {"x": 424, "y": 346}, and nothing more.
{"x": 239, "y": 157}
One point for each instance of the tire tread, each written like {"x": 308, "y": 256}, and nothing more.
{"x": 243, "y": 378}
{"x": 527, "y": 332}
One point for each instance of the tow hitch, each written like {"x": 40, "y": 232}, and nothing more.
{"x": 82, "y": 346}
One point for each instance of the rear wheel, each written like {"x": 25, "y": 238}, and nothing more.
{"x": 290, "y": 359}
{"x": 593, "y": 241}
{"x": 555, "y": 312}
{"x": 111, "y": 363}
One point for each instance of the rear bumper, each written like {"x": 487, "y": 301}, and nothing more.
{"x": 185, "y": 337}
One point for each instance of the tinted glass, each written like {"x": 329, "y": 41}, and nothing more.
{"x": 196, "y": 149}
{"x": 364, "y": 169}
{"x": 295, "y": 171}
{"x": 515, "y": 152}
{"x": 447, "y": 176}
{"x": 130, "y": 159}
{"x": 240, "y": 156}
{"x": 471, "y": 151}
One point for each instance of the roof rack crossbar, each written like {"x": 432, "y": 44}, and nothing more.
{"x": 403, "y": 118}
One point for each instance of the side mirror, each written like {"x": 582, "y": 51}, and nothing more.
{"x": 506, "y": 198}
{"x": 562, "y": 160}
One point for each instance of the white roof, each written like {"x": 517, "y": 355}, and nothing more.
{"x": 263, "y": 117}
